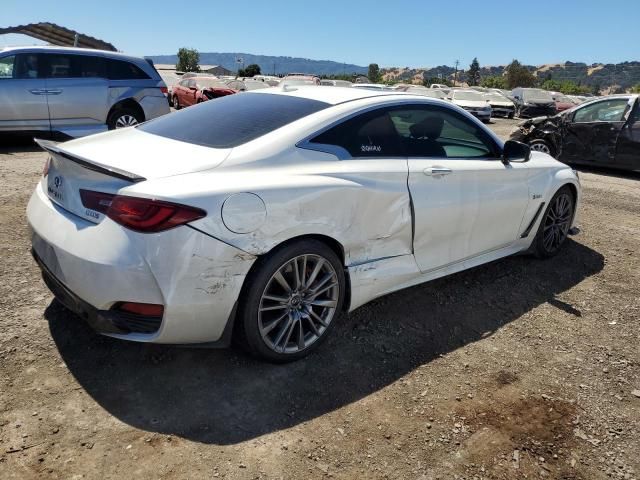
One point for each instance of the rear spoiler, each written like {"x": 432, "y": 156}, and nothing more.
{"x": 52, "y": 147}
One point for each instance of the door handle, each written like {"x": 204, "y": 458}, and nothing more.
{"x": 54, "y": 91}
{"x": 436, "y": 171}
{"x": 38, "y": 91}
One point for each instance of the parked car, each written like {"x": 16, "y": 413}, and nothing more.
{"x": 602, "y": 132}
{"x": 197, "y": 90}
{"x": 501, "y": 106}
{"x": 533, "y": 102}
{"x": 216, "y": 221}
{"x": 335, "y": 83}
{"x": 245, "y": 85}
{"x": 76, "y": 91}
{"x": 427, "y": 92}
{"x": 473, "y": 102}
{"x": 563, "y": 102}
{"x": 292, "y": 78}
{"x": 439, "y": 85}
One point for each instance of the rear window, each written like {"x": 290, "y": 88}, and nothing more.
{"x": 123, "y": 70}
{"x": 232, "y": 120}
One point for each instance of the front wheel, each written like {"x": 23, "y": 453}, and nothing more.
{"x": 541, "y": 146}
{"x": 555, "y": 224}
{"x": 291, "y": 301}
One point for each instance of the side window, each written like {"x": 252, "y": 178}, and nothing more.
{"x": 636, "y": 114}
{"x": 59, "y": 66}
{"x": 90, "y": 67}
{"x": 123, "y": 70}
{"x": 191, "y": 84}
{"x": 28, "y": 65}
{"x": 7, "y": 69}
{"x": 607, "y": 111}
{"x": 371, "y": 134}
{"x": 436, "y": 132}
{"x": 183, "y": 83}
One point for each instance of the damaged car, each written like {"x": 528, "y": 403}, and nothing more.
{"x": 603, "y": 132}
{"x": 533, "y": 102}
{"x": 265, "y": 216}
{"x": 473, "y": 102}
{"x": 501, "y": 106}
{"x": 197, "y": 90}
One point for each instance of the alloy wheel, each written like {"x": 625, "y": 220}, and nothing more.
{"x": 557, "y": 222}
{"x": 298, "y": 304}
{"x": 126, "y": 120}
{"x": 540, "y": 147}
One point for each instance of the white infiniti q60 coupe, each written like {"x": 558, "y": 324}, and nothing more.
{"x": 265, "y": 215}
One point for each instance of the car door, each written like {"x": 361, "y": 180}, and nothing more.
{"x": 77, "y": 91}
{"x": 628, "y": 147}
{"x": 190, "y": 92}
{"x": 590, "y": 136}
{"x": 466, "y": 202}
{"x": 23, "y": 100}
{"x": 374, "y": 168}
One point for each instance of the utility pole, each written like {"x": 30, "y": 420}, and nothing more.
{"x": 455, "y": 75}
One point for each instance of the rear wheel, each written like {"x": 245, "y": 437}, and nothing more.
{"x": 555, "y": 224}
{"x": 176, "y": 103}
{"x": 124, "y": 117}
{"x": 291, "y": 301}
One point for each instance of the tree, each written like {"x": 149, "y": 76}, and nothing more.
{"x": 251, "y": 70}
{"x": 519, "y": 75}
{"x": 494, "y": 82}
{"x": 473, "y": 75}
{"x": 566, "y": 86}
{"x": 635, "y": 88}
{"x": 374, "y": 72}
{"x": 188, "y": 59}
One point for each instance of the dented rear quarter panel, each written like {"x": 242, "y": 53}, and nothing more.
{"x": 363, "y": 204}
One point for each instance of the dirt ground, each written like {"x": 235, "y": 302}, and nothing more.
{"x": 517, "y": 369}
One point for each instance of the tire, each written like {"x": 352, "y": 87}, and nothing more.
{"x": 541, "y": 146}
{"x": 555, "y": 224}
{"x": 510, "y": 115}
{"x": 176, "y": 103}
{"x": 124, "y": 117}
{"x": 280, "y": 322}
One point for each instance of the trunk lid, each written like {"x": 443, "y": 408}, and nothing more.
{"x": 113, "y": 161}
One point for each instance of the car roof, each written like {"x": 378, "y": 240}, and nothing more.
{"x": 333, "y": 95}
{"x": 56, "y": 49}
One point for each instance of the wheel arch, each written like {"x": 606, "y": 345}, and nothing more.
{"x": 331, "y": 242}
{"x": 126, "y": 103}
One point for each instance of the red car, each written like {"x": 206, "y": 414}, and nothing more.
{"x": 563, "y": 103}
{"x": 190, "y": 91}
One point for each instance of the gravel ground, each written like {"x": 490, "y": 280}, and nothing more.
{"x": 517, "y": 369}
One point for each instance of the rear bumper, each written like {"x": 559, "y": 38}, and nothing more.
{"x": 154, "y": 106}
{"x": 102, "y": 321}
{"x": 91, "y": 267}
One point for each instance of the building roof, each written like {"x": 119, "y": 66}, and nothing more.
{"x": 57, "y": 35}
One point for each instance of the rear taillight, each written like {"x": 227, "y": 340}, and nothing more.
{"x": 164, "y": 90}
{"x": 142, "y": 309}
{"x": 140, "y": 214}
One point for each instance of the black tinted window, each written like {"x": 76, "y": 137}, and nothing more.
{"x": 73, "y": 66}
{"x": 232, "y": 120}
{"x": 28, "y": 65}
{"x": 371, "y": 134}
{"x": 123, "y": 70}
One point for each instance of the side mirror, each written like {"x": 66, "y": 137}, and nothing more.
{"x": 515, "y": 152}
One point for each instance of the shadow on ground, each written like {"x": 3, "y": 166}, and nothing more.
{"x": 224, "y": 397}
{"x": 23, "y": 142}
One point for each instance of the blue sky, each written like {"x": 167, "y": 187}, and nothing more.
{"x": 408, "y": 33}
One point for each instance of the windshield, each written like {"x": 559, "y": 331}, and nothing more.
{"x": 537, "y": 95}
{"x": 232, "y": 120}
{"x": 210, "y": 83}
{"x": 495, "y": 97}
{"x": 467, "y": 95}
